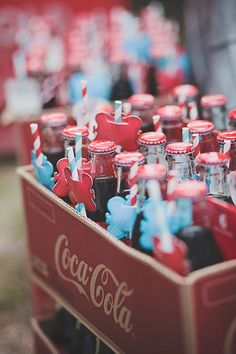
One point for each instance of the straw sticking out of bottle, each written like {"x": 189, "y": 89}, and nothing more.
{"x": 171, "y": 184}
{"x": 118, "y": 111}
{"x": 196, "y": 144}
{"x": 157, "y": 123}
{"x": 185, "y": 135}
{"x": 226, "y": 150}
{"x": 154, "y": 192}
{"x": 133, "y": 184}
{"x": 193, "y": 112}
{"x": 37, "y": 143}
{"x": 84, "y": 94}
{"x": 78, "y": 151}
{"x": 71, "y": 158}
{"x": 81, "y": 209}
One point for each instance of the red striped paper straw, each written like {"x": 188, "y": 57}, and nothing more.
{"x": 171, "y": 184}
{"x": 133, "y": 184}
{"x": 84, "y": 93}
{"x": 196, "y": 144}
{"x": 157, "y": 123}
{"x": 37, "y": 143}
{"x": 193, "y": 112}
{"x": 226, "y": 151}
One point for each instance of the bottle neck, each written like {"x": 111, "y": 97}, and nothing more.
{"x": 123, "y": 181}
{"x": 232, "y": 166}
{"x": 182, "y": 165}
{"x": 215, "y": 178}
{"x": 102, "y": 165}
{"x": 153, "y": 153}
{"x": 52, "y": 138}
{"x": 217, "y": 115}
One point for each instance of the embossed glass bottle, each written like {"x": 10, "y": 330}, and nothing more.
{"x": 204, "y": 129}
{"x": 52, "y": 138}
{"x": 212, "y": 169}
{"x": 145, "y": 174}
{"x": 102, "y": 154}
{"x": 171, "y": 122}
{"x": 196, "y": 234}
{"x": 180, "y": 159}
{"x": 214, "y": 109}
{"x": 186, "y": 96}
{"x": 123, "y": 163}
{"x": 152, "y": 146}
{"x": 222, "y": 138}
{"x": 69, "y": 138}
{"x": 143, "y": 107}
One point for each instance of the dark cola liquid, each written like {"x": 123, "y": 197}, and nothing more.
{"x": 63, "y": 327}
{"x": 104, "y": 349}
{"x": 202, "y": 248}
{"x": 104, "y": 188}
{"x": 136, "y": 234}
{"x": 53, "y": 157}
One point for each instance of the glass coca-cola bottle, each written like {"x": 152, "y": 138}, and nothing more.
{"x": 69, "y": 138}
{"x": 123, "y": 163}
{"x": 186, "y": 97}
{"x": 52, "y": 136}
{"x": 171, "y": 122}
{"x": 143, "y": 107}
{"x": 232, "y": 119}
{"x": 121, "y": 88}
{"x": 212, "y": 169}
{"x": 214, "y": 109}
{"x": 152, "y": 146}
{"x": 204, "y": 129}
{"x": 223, "y": 138}
{"x": 180, "y": 159}
{"x": 102, "y": 154}
{"x": 145, "y": 174}
{"x": 202, "y": 248}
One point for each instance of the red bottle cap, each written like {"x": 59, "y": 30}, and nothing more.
{"x": 141, "y": 101}
{"x": 71, "y": 130}
{"x": 128, "y": 158}
{"x": 185, "y": 91}
{"x": 179, "y": 148}
{"x": 232, "y": 114}
{"x": 54, "y": 119}
{"x": 213, "y": 100}
{"x": 190, "y": 189}
{"x": 152, "y": 138}
{"x": 170, "y": 112}
{"x": 211, "y": 159}
{"x": 101, "y": 146}
{"x": 152, "y": 171}
{"x": 227, "y": 135}
{"x": 200, "y": 126}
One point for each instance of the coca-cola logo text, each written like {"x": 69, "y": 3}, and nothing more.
{"x": 95, "y": 284}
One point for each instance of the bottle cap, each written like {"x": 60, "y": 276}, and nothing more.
{"x": 179, "y": 148}
{"x": 101, "y": 146}
{"x": 71, "y": 130}
{"x": 190, "y": 189}
{"x": 211, "y": 159}
{"x": 35, "y": 64}
{"x": 54, "y": 119}
{"x": 232, "y": 114}
{"x": 141, "y": 101}
{"x": 200, "y": 126}
{"x": 170, "y": 112}
{"x": 152, "y": 171}
{"x": 227, "y": 135}
{"x": 152, "y": 138}
{"x": 128, "y": 158}
{"x": 185, "y": 91}
{"x": 213, "y": 100}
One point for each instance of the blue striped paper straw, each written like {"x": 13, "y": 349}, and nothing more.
{"x": 185, "y": 135}
{"x": 81, "y": 209}
{"x": 78, "y": 150}
{"x": 71, "y": 157}
{"x": 118, "y": 111}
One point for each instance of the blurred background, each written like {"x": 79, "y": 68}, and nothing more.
{"x": 121, "y": 47}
